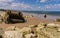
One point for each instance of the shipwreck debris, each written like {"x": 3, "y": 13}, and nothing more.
{"x": 12, "y": 17}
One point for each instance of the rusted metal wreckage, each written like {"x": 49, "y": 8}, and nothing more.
{"x": 10, "y": 16}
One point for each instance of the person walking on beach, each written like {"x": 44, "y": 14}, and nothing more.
{"x": 45, "y": 16}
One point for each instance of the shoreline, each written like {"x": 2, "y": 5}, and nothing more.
{"x": 35, "y": 20}
{"x": 41, "y": 16}
{"x": 49, "y": 19}
{"x": 35, "y": 26}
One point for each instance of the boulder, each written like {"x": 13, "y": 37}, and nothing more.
{"x": 30, "y": 35}
{"x": 58, "y": 29}
{"x": 12, "y": 34}
{"x": 41, "y": 24}
{"x": 42, "y": 33}
{"x": 1, "y": 32}
{"x": 39, "y": 29}
{"x": 25, "y": 30}
{"x": 53, "y": 25}
{"x": 40, "y": 36}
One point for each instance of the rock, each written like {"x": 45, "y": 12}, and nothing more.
{"x": 41, "y": 24}
{"x": 39, "y": 29}
{"x": 53, "y": 25}
{"x": 58, "y": 25}
{"x": 25, "y": 30}
{"x": 42, "y": 33}
{"x": 10, "y": 28}
{"x": 30, "y": 15}
{"x": 12, "y": 34}
{"x": 57, "y": 20}
{"x": 58, "y": 29}
{"x": 1, "y": 19}
{"x": 41, "y": 36}
{"x": 13, "y": 28}
{"x": 1, "y": 31}
{"x": 30, "y": 35}
{"x": 32, "y": 26}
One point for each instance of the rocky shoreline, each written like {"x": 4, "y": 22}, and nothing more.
{"x": 35, "y": 27}
{"x": 41, "y": 30}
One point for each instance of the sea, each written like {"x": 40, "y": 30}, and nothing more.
{"x": 50, "y": 14}
{"x": 45, "y": 12}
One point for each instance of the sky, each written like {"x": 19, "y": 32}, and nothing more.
{"x": 31, "y": 5}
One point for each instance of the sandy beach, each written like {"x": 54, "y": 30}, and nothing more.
{"x": 29, "y": 18}
{"x": 29, "y": 21}
{"x": 32, "y": 20}
{"x": 36, "y": 26}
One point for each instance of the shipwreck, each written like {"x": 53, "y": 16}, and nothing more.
{"x": 11, "y": 16}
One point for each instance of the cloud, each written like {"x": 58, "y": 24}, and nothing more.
{"x": 6, "y": 0}
{"x": 4, "y": 4}
{"x": 47, "y": 6}
{"x": 22, "y": 5}
{"x": 55, "y": 1}
{"x": 39, "y": 7}
{"x": 15, "y": 6}
{"x": 43, "y": 1}
{"x": 52, "y": 7}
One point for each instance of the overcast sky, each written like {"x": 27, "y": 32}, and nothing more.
{"x": 31, "y": 5}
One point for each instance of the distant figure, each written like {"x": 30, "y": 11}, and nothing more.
{"x": 45, "y": 15}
